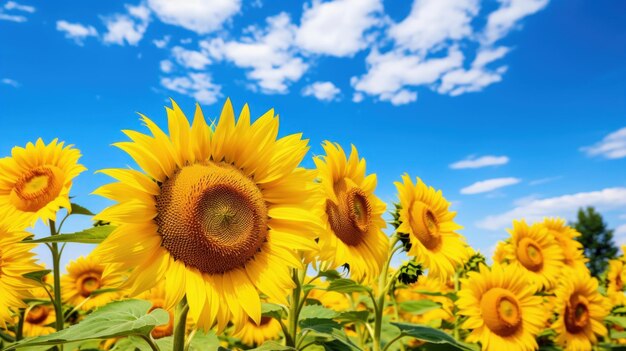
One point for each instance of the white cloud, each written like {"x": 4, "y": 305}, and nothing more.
{"x": 433, "y": 22}
{"x": 477, "y": 77}
{"x": 389, "y": 73}
{"x": 190, "y": 58}
{"x": 10, "y": 82}
{"x": 12, "y": 18}
{"x": 76, "y": 31}
{"x": 357, "y": 97}
{"x": 620, "y": 235}
{"x": 613, "y": 146}
{"x": 483, "y": 161}
{"x": 506, "y": 17}
{"x": 337, "y": 28}
{"x": 544, "y": 180}
{"x": 564, "y": 206}
{"x": 268, "y": 53}
{"x": 166, "y": 66}
{"x": 200, "y": 16}
{"x": 197, "y": 85}
{"x": 12, "y": 5}
{"x": 489, "y": 185}
{"x": 324, "y": 91}
{"x": 127, "y": 28}
{"x": 162, "y": 43}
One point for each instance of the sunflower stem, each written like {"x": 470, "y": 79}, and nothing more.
{"x": 20, "y": 325}
{"x": 383, "y": 289}
{"x": 150, "y": 342}
{"x": 56, "y": 269}
{"x": 180, "y": 320}
{"x": 294, "y": 310}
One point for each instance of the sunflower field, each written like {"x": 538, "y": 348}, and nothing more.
{"x": 218, "y": 239}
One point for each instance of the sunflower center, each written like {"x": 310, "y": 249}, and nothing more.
{"x": 88, "y": 283}
{"x": 36, "y": 188}
{"x": 211, "y": 217}
{"x": 576, "y": 314}
{"x": 529, "y": 254}
{"x": 351, "y": 217}
{"x": 425, "y": 226}
{"x": 161, "y": 331}
{"x": 501, "y": 311}
{"x": 38, "y": 314}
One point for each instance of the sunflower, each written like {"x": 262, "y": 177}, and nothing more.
{"x": 501, "y": 308}
{"x": 419, "y": 291}
{"x": 35, "y": 181}
{"x": 424, "y": 215}
{"x": 40, "y": 317}
{"x": 353, "y": 214}
{"x": 16, "y": 259}
{"x": 573, "y": 255}
{"x": 581, "y": 311}
{"x": 536, "y": 251}
{"x": 334, "y": 300}
{"x": 84, "y": 277}
{"x": 156, "y": 295}
{"x": 222, "y": 212}
{"x": 254, "y": 333}
{"x": 616, "y": 276}
{"x": 499, "y": 253}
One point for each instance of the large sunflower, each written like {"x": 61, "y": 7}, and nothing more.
{"x": 220, "y": 212}
{"x": 581, "y": 311}
{"x": 84, "y": 277}
{"x": 535, "y": 250}
{"x": 573, "y": 255}
{"x": 16, "y": 259}
{"x": 616, "y": 277}
{"x": 353, "y": 214}
{"x": 424, "y": 215}
{"x": 254, "y": 333}
{"x": 501, "y": 308}
{"x": 35, "y": 181}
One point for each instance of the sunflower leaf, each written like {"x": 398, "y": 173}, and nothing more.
{"x": 346, "y": 286}
{"x": 93, "y": 235}
{"x": 321, "y": 325}
{"x": 273, "y": 346}
{"x": 418, "y": 306}
{"x": 620, "y": 321}
{"x": 316, "y": 311}
{"x": 429, "y": 334}
{"x": 78, "y": 209}
{"x": 353, "y": 316}
{"x": 272, "y": 310}
{"x": 117, "y": 319}
{"x": 37, "y": 275}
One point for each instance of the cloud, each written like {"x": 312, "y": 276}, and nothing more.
{"x": 11, "y": 82}
{"x": 197, "y": 85}
{"x": 268, "y": 53}
{"x": 506, "y": 17}
{"x": 613, "y": 146}
{"x": 12, "y": 5}
{"x": 544, "y": 180}
{"x": 357, "y": 97}
{"x": 324, "y": 91}
{"x": 389, "y": 73}
{"x": 12, "y": 18}
{"x": 162, "y": 43}
{"x": 489, "y": 185}
{"x": 200, "y": 16}
{"x": 166, "y": 66}
{"x": 564, "y": 206}
{"x": 76, "y": 31}
{"x": 483, "y": 161}
{"x": 477, "y": 77}
{"x": 326, "y": 28}
{"x": 127, "y": 28}
{"x": 433, "y": 22}
{"x": 190, "y": 58}
{"x": 620, "y": 235}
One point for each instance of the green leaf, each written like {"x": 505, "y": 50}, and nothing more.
{"x": 37, "y": 275}
{"x": 78, "y": 209}
{"x": 273, "y": 346}
{"x": 272, "y": 310}
{"x": 353, "y": 316}
{"x": 621, "y": 321}
{"x": 346, "y": 286}
{"x": 452, "y": 296}
{"x": 320, "y": 325}
{"x": 120, "y": 318}
{"x": 93, "y": 235}
{"x": 202, "y": 342}
{"x": 429, "y": 334}
{"x": 316, "y": 311}
{"x": 418, "y": 306}
{"x": 330, "y": 274}
{"x": 621, "y": 309}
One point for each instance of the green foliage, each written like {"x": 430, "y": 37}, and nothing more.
{"x": 346, "y": 286}
{"x": 37, "y": 275}
{"x": 410, "y": 272}
{"x": 418, "y": 306}
{"x": 430, "y": 335}
{"x": 596, "y": 238}
{"x": 117, "y": 319}
{"x": 92, "y": 235}
{"x": 78, "y": 209}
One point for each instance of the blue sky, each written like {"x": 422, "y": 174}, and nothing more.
{"x": 531, "y": 92}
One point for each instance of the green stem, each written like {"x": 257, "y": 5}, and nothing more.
{"x": 456, "y": 291}
{"x": 392, "y": 341}
{"x": 307, "y": 345}
{"x": 383, "y": 288}
{"x": 180, "y": 327}
{"x": 293, "y": 310}
{"x": 288, "y": 339}
{"x": 20, "y": 326}
{"x": 56, "y": 266}
{"x": 150, "y": 342}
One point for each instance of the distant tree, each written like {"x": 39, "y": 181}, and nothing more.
{"x": 596, "y": 238}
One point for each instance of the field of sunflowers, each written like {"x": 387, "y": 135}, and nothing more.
{"x": 220, "y": 240}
